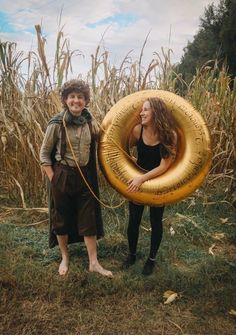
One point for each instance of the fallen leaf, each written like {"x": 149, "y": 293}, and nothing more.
{"x": 172, "y": 232}
{"x": 210, "y": 250}
{"x": 218, "y": 236}
{"x": 224, "y": 220}
{"x": 232, "y": 312}
{"x": 171, "y": 298}
{"x": 180, "y": 215}
{"x": 167, "y": 293}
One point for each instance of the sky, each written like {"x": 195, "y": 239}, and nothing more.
{"x": 119, "y": 26}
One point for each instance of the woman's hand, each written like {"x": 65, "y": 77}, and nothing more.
{"x": 135, "y": 183}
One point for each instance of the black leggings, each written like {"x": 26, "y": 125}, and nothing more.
{"x": 135, "y": 216}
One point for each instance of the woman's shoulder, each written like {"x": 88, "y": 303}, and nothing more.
{"x": 137, "y": 131}
{"x": 135, "y": 135}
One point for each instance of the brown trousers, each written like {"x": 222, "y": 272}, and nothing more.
{"x": 74, "y": 205}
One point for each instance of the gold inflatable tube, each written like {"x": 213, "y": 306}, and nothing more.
{"x": 193, "y": 158}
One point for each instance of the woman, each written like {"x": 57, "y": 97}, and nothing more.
{"x": 156, "y": 139}
{"x": 74, "y": 213}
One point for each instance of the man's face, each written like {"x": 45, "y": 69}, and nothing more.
{"x": 75, "y": 102}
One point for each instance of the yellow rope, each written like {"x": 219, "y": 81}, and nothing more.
{"x": 76, "y": 162}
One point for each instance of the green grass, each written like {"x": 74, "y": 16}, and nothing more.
{"x": 35, "y": 300}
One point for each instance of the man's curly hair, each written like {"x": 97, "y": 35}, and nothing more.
{"x": 75, "y": 85}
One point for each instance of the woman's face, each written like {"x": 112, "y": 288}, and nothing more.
{"x": 75, "y": 102}
{"x": 146, "y": 114}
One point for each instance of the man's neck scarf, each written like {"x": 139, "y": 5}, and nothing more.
{"x": 79, "y": 120}
{"x": 71, "y": 119}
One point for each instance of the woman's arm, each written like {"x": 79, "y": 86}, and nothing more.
{"x": 135, "y": 183}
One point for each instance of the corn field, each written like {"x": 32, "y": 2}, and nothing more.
{"x": 28, "y": 100}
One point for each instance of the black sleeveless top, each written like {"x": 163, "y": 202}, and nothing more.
{"x": 149, "y": 156}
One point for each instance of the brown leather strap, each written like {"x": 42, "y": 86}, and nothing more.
{"x": 63, "y": 142}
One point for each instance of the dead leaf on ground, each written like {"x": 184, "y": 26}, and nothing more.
{"x": 167, "y": 293}
{"x": 180, "y": 215}
{"x": 233, "y": 313}
{"x": 171, "y": 298}
{"x": 172, "y": 232}
{"x": 210, "y": 250}
{"x": 218, "y": 236}
{"x": 224, "y": 220}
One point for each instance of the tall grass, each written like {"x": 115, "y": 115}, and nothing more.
{"x": 28, "y": 100}
{"x": 213, "y": 93}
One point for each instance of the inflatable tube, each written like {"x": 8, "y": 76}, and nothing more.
{"x": 193, "y": 158}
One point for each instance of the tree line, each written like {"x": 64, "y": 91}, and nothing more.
{"x": 215, "y": 40}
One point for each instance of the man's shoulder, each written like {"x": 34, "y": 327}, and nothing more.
{"x": 56, "y": 119}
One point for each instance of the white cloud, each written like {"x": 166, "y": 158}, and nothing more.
{"x": 180, "y": 17}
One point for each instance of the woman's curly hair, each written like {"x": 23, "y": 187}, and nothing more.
{"x": 166, "y": 125}
{"x": 75, "y": 85}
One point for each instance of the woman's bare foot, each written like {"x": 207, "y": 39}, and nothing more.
{"x": 63, "y": 267}
{"x": 96, "y": 267}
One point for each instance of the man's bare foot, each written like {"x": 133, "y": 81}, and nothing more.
{"x": 63, "y": 267}
{"x": 98, "y": 268}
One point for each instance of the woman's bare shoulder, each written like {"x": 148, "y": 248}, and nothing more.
{"x": 135, "y": 134}
{"x": 137, "y": 131}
